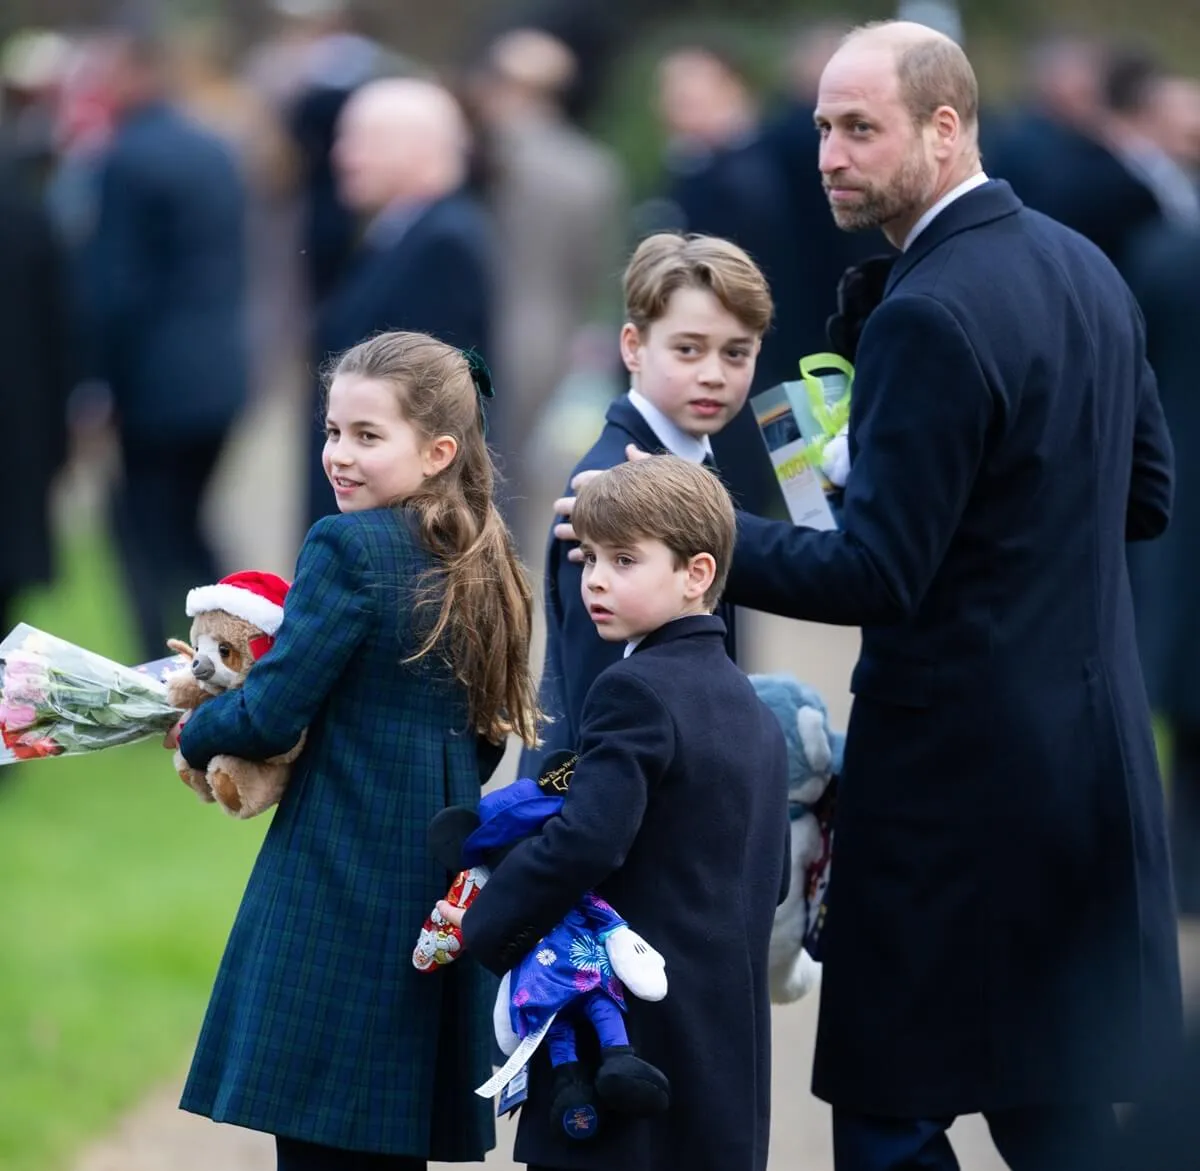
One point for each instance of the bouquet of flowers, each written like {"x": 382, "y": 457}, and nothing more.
{"x": 57, "y": 699}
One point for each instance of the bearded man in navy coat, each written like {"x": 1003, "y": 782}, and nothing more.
{"x": 1001, "y": 936}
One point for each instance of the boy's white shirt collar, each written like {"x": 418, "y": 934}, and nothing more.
{"x": 954, "y": 193}
{"x": 676, "y": 441}
{"x": 633, "y": 643}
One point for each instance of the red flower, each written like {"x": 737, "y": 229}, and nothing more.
{"x": 25, "y": 747}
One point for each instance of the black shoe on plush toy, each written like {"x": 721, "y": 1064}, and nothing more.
{"x": 626, "y": 1083}
{"x": 573, "y": 1104}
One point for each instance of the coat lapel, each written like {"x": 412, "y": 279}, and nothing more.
{"x": 986, "y": 203}
{"x": 622, "y": 413}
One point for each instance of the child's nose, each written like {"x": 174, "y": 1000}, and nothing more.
{"x": 712, "y": 371}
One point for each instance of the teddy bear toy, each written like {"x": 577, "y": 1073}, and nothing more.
{"x": 574, "y": 977}
{"x": 233, "y": 625}
{"x": 814, "y": 760}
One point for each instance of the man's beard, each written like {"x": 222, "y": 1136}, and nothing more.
{"x": 907, "y": 191}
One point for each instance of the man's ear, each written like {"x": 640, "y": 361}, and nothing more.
{"x": 701, "y": 573}
{"x": 947, "y": 129}
{"x": 631, "y": 347}
{"x": 439, "y": 454}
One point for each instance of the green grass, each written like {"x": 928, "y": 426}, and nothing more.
{"x": 117, "y": 889}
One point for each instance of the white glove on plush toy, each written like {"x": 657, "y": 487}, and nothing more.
{"x": 835, "y": 459}
{"x": 636, "y": 964}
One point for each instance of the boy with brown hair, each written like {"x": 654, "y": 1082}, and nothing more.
{"x": 696, "y": 309}
{"x": 677, "y": 815}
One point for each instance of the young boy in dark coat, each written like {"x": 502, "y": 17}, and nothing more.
{"x": 696, "y": 308}
{"x": 677, "y": 815}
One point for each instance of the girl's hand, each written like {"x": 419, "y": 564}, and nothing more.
{"x": 171, "y": 739}
{"x": 451, "y": 913}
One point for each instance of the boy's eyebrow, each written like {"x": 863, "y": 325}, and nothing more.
{"x": 704, "y": 336}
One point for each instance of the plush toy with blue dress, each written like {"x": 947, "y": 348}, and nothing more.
{"x": 574, "y": 978}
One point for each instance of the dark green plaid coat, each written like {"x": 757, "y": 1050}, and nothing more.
{"x": 319, "y": 1027}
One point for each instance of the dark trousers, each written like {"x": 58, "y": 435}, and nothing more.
{"x": 1052, "y": 1138}
{"x": 156, "y": 520}
{"x": 293, "y": 1155}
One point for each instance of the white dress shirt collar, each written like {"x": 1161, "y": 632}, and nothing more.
{"x": 676, "y": 441}
{"x": 976, "y": 180}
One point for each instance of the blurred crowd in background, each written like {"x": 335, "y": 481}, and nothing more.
{"x": 190, "y": 226}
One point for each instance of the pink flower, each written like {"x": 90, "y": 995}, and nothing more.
{"x": 520, "y": 997}
{"x": 25, "y": 689}
{"x": 15, "y": 716}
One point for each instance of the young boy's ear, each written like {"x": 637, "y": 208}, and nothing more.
{"x": 631, "y": 347}
{"x": 701, "y": 571}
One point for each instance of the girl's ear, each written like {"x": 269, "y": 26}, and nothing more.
{"x": 439, "y": 455}
{"x": 701, "y": 573}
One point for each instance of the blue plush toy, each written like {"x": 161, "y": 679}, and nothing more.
{"x": 814, "y": 760}
{"x": 575, "y": 977}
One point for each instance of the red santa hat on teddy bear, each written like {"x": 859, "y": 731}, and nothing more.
{"x": 249, "y": 594}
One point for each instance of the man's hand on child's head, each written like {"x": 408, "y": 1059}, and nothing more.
{"x": 565, "y": 505}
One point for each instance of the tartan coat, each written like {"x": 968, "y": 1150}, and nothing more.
{"x": 1001, "y": 928}
{"x": 677, "y": 816}
{"x": 319, "y": 1027}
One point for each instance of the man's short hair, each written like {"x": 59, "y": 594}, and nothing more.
{"x": 937, "y": 73}
{"x": 933, "y": 71}
{"x": 1131, "y": 74}
{"x": 668, "y": 261}
{"x": 667, "y": 499}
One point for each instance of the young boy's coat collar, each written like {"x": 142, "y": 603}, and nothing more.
{"x": 694, "y": 625}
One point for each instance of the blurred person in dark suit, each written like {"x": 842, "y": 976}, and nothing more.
{"x": 1057, "y": 121}
{"x": 1144, "y": 117}
{"x": 34, "y": 381}
{"x": 165, "y": 285}
{"x": 320, "y": 63}
{"x": 1164, "y": 273}
{"x": 1119, "y": 180}
{"x": 425, "y": 260}
{"x": 724, "y": 180}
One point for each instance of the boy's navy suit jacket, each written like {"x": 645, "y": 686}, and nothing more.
{"x": 575, "y": 653}
{"x": 677, "y": 815}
